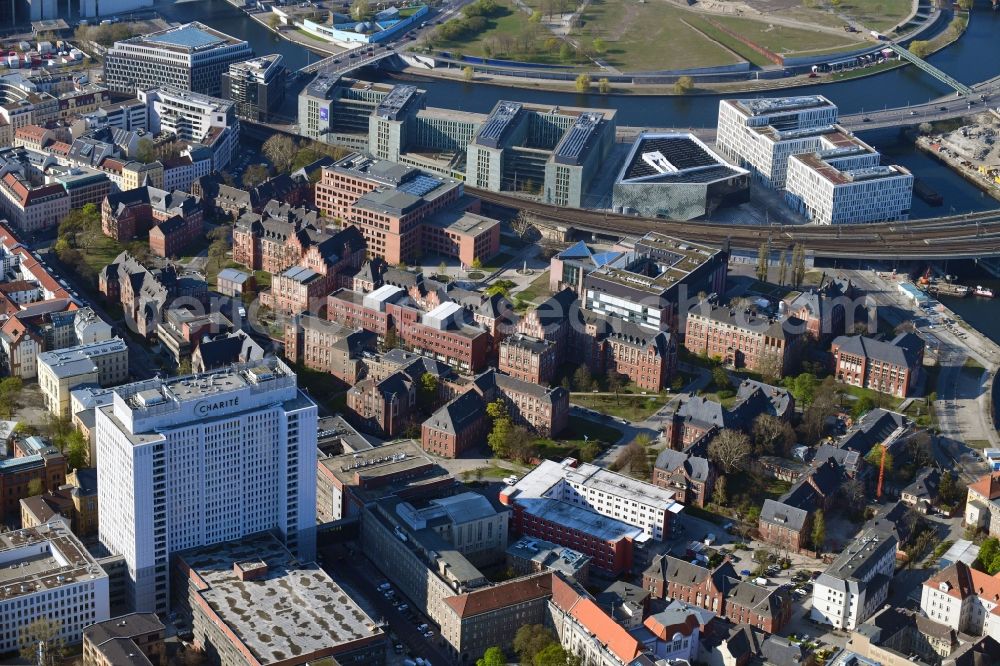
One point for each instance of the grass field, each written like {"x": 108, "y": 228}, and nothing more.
{"x": 881, "y": 15}
{"x": 627, "y": 406}
{"x": 509, "y": 23}
{"x": 537, "y": 291}
{"x": 784, "y": 40}
{"x": 648, "y": 37}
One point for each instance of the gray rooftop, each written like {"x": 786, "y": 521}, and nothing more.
{"x": 293, "y": 610}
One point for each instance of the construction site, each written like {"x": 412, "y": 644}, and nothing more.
{"x": 973, "y": 149}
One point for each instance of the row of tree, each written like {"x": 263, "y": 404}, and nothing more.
{"x": 793, "y": 273}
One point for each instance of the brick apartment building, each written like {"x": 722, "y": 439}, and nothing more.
{"x": 697, "y": 417}
{"x": 719, "y": 590}
{"x": 403, "y": 211}
{"x": 328, "y": 347}
{"x": 142, "y": 293}
{"x": 540, "y": 409}
{"x": 528, "y": 359}
{"x": 743, "y": 339}
{"x": 691, "y": 477}
{"x": 456, "y": 427}
{"x": 444, "y": 332}
{"x": 891, "y": 367}
{"x": 304, "y": 286}
{"x": 144, "y": 210}
{"x": 383, "y": 407}
{"x": 277, "y": 237}
{"x": 27, "y": 460}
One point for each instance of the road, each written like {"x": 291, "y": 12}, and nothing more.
{"x": 140, "y": 360}
{"x": 962, "y": 404}
{"x": 363, "y": 577}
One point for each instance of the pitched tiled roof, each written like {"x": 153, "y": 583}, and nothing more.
{"x": 459, "y": 415}
{"x": 901, "y": 351}
{"x": 988, "y": 486}
{"x": 605, "y": 630}
{"x": 499, "y": 596}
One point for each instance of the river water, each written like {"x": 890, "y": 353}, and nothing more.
{"x": 975, "y": 57}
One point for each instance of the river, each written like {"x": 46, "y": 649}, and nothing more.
{"x": 972, "y": 59}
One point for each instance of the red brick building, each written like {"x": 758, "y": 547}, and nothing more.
{"x": 134, "y": 213}
{"x": 457, "y": 427}
{"x": 403, "y": 212}
{"x": 888, "y": 367}
{"x": 445, "y": 332}
{"x": 541, "y": 409}
{"x": 304, "y": 286}
{"x": 528, "y": 359}
{"x": 29, "y": 461}
{"x": 691, "y": 477}
{"x": 743, "y": 339}
{"x": 384, "y": 407}
{"x": 719, "y": 590}
{"x": 328, "y": 347}
{"x": 277, "y": 237}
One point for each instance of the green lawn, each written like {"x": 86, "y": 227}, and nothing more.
{"x": 881, "y": 15}
{"x": 650, "y": 36}
{"x": 977, "y": 444}
{"x": 507, "y": 29}
{"x": 739, "y": 47}
{"x": 494, "y": 471}
{"x": 883, "y": 400}
{"x": 631, "y": 407}
{"x": 581, "y": 434}
{"x": 784, "y": 40}
{"x": 102, "y": 252}
{"x": 537, "y": 291}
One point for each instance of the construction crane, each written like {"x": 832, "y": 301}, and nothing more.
{"x": 881, "y": 472}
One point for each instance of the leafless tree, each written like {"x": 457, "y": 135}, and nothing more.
{"x": 730, "y": 449}
{"x": 771, "y": 435}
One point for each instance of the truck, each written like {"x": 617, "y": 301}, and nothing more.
{"x": 877, "y": 35}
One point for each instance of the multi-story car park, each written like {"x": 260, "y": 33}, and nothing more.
{"x": 190, "y": 57}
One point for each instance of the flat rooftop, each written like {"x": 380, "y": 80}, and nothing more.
{"x": 72, "y": 361}
{"x": 500, "y": 121}
{"x": 578, "y": 518}
{"x": 43, "y": 558}
{"x": 292, "y": 611}
{"x": 462, "y": 222}
{"x": 771, "y": 105}
{"x": 579, "y": 140}
{"x": 674, "y": 158}
{"x": 190, "y": 38}
{"x": 657, "y": 263}
{"x": 395, "y": 104}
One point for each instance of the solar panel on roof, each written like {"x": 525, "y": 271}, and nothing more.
{"x": 420, "y": 185}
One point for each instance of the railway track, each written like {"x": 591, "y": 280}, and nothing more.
{"x": 971, "y": 235}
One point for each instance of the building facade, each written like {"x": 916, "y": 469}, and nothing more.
{"x": 190, "y": 57}
{"x": 203, "y": 459}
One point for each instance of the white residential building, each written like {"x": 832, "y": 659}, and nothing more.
{"x": 192, "y": 116}
{"x": 843, "y": 183}
{"x": 856, "y": 584}
{"x": 45, "y": 572}
{"x": 963, "y": 599}
{"x": 761, "y": 134}
{"x": 592, "y": 488}
{"x": 197, "y": 460}
{"x": 62, "y": 370}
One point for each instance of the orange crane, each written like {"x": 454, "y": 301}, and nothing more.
{"x": 881, "y": 472}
